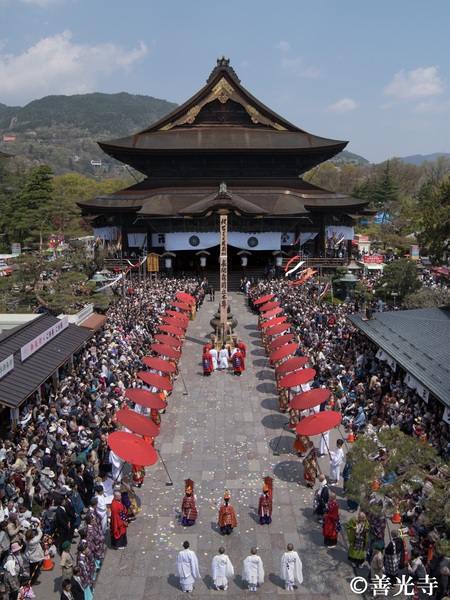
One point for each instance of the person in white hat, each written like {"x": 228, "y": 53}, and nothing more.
{"x": 12, "y": 568}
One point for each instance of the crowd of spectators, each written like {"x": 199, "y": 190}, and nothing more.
{"x": 369, "y": 393}
{"x": 345, "y": 358}
{"x": 56, "y": 468}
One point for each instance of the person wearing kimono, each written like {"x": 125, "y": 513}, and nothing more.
{"x": 337, "y": 458}
{"x": 223, "y": 358}
{"x": 332, "y": 523}
{"x": 358, "y": 533}
{"x": 221, "y": 570}
{"x": 90, "y": 558}
{"x": 119, "y": 522}
{"x": 215, "y": 358}
{"x": 265, "y": 507}
{"x": 189, "y": 512}
{"x": 95, "y": 538}
{"x": 394, "y": 556}
{"x": 310, "y": 468}
{"x": 85, "y": 575}
{"x": 291, "y": 568}
{"x": 238, "y": 362}
{"x": 207, "y": 362}
{"x": 227, "y": 516}
{"x": 253, "y": 570}
{"x": 187, "y": 568}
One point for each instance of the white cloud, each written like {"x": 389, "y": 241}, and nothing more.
{"x": 55, "y": 65}
{"x": 432, "y": 107}
{"x": 296, "y": 67}
{"x": 418, "y": 83}
{"x": 284, "y": 46}
{"x": 342, "y": 106}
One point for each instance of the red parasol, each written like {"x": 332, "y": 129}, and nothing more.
{"x": 159, "y": 364}
{"x": 297, "y": 378}
{"x": 175, "y": 322}
{"x": 164, "y": 350}
{"x": 283, "y": 351}
{"x": 272, "y": 313}
{"x": 263, "y": 299}
{"x": 291, "y": 364}
{"x": 137, "y": 423}
{"x": 181, "y": 306}
{"x": 265, "y": 307}
{"x": 145, "y": 398}
{"x": 178, "y": 315}
{"x": 169, "y": 340}
{"x": 277, "y": 329}
{"x": 309, "y": 399}
{"x": 318, "y": 423}
{"x": 171, "y": 329}
{"x": 186, "y": 298}
{"x": 132, "y": 448}
{"x": 155, "y": 380}
{"x": 280, "y": 341}
{"x": 273, "y": 322}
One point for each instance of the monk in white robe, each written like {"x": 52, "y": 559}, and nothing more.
{"x": 253, "y": 570}
{"x": 187, "y": 567}
{"x": 291, "y": 568}
{"x": 221, "y": 570}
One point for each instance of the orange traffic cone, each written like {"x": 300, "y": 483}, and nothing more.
{"x": 416, "y": 592}
{"x": 406, "y": 550}
{"x": 47, "y": 563}
{"x": 351, "y": 436}
{"x": 396, "y": 517}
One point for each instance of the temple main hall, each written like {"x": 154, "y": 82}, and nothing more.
{"x": 223, "y": 152}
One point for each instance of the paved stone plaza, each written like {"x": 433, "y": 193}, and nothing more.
{"x": 221, "y": 432}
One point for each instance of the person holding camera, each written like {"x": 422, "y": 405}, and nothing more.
{"x": 33, "y": 550}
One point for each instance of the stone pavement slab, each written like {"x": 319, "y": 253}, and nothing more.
{"x": 222, "y": 434}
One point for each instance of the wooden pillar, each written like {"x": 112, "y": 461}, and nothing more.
{"x": 223, "y": 274}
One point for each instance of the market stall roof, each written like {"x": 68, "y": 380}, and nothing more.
{"x": 17, "y": 385}
{"x": 94, "y": 322}
{"x": 418, "y": 340}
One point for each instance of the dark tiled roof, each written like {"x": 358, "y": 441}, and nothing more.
{"x": 26, "y": 377}
{"x": 419, "y": 340}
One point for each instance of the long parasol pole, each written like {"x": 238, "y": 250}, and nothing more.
{"x": 164, "y": 465}
{"x": 275, "y": 452}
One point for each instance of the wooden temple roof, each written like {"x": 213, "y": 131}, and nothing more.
{"x": 223, "y": 135}
{"x": 250, "y": 201}
{"x": 222, "y": 117}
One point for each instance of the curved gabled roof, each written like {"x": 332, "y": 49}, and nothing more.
{"x": 222, "y": 116}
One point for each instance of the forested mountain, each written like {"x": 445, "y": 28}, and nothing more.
{"x": 419, "y": 159}
{"x": 62, "y": 131}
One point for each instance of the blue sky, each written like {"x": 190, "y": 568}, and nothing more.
{"x": 375, "y": 73}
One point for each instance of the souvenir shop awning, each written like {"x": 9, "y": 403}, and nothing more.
{"x": 27, "y": 376}
{"x": 94, "y": 322}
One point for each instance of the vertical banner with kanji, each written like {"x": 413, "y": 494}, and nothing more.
{"x": 223, "y": 272}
